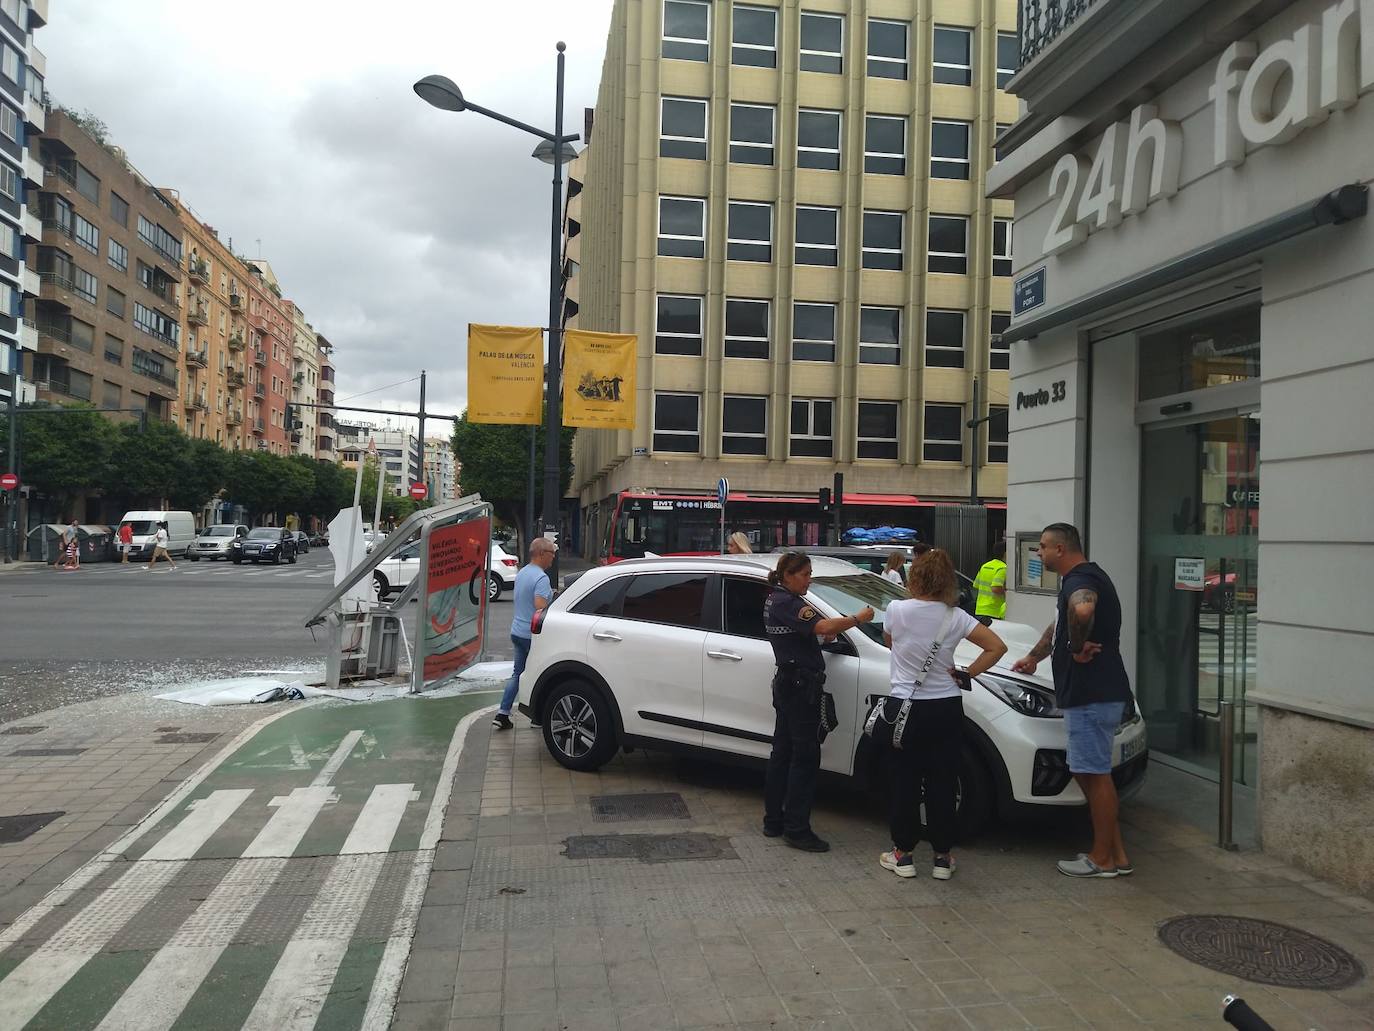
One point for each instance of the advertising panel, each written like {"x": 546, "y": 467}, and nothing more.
{"x": 505, "y": 374}
{"x": 599, "y": 379}
{"x": 455, "y": 600}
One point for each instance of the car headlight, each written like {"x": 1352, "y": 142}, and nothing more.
{"x": 1025, "y": 698}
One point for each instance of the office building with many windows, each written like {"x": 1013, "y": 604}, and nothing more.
{"x": 785, "y": 202}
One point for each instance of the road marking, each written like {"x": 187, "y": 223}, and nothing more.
{"x": 336, "y": 760}
{"x": 376, "y": 824}
{"x": 295, "y": 813}
{"x": 33, "y": 983}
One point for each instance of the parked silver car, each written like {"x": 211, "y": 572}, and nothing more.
{"x": 215, "y": 541}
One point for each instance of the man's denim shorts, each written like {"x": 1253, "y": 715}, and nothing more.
{"x": 1091, "y": 730}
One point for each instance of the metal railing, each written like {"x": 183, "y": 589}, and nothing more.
{"x": 259, "y": 426}
{"x": 201, "y": 358}
{"x": 260, "y": 390}
{"x": 58, "y": 226}
{"x": 260, "y": 358}
{"x": 1044, "y": 21}
{"x": 198, "y": 270}
{"x": 237, "y": 343}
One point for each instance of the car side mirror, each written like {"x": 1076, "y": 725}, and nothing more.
{"x": 840, "y": 646}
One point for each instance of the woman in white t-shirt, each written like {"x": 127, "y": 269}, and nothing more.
{"x": 893, "y": 571}
{"x": 919, "y": 729}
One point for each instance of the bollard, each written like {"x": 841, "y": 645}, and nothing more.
{"x": 1226, "y": 713}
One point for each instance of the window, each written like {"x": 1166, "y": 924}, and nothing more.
{"x": 154, "y": 366}
{"x": 678, "y": 329}
{"x": 887, "y": 54}
{"x": 811, "y": 428}
{"x": 119, "y": 255}
{"x": 112, "y": 395}
{"x": 9, "y": 241}
{"x": 114, "y": 302}
{"x": 604, "y": 599}
{"x": 880, "y": 336}
{"x": 746, "y": 328}
{"x": 114, "y": 349}
{"x": 9, "y": 182}
{"x": 87, "y": 235}
{"x": 818, "y": 140}
{"x": 676, "y": 599}
{"x": 677, "y": 423}
{"x": 998, "y": 153}
{"x": 749, "y": 232}
{"x": 15, "y": 10}
{"x": 682, "y": 227}
{"x": 822, "y": 43}
{"x": 948, "y": 244}
{"x": 751, "y": 134}
{"x": 744, "y": 425}
{"x": 885, "y": 145}
{"x": 755, "y": 37}
{"x": 877, "y": 429}
{"x": 944, "y": 339}
{"x": 9, "y": 62}
{"x": 818, "y": 235}
{"x": 999, "y": 355}
{"x": 949, "y": 150}
{"x": 10, "y": 300}
{"x": 159, "y": 240}
{"x": 882, "y": 243}
{"x": 997, "y": 434}
{"x": 1001, "y": 246}
{"x": 682, "y": 129}
{"x": 83, "y": 335}
{"x": 84, "y": 284}
{"x": 953, "y": 53}
{"x": 744, "y": 600}
{"x": 813, "y": 332}
{"x": 9, "y": 121}
{"x": 87, "y": 184}
{"x": 943, "y": 433}
{"x": 158, "y": 325}
{"x": 686, "y": 30}
{"x": 119, "y": 209}
{"x": 1008, "y": 57}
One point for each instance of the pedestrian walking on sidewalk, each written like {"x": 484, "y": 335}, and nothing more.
{"x": 532, "y": 593}
{"x": 794, "y": 630}
{"x": 126, "y": 542}
{"x": 160, "y": 548}
{"x": 918, "y": 728}
{"x": 1090, "y": 686}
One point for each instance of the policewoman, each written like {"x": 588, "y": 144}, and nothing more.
{"x": 794, "y": 630}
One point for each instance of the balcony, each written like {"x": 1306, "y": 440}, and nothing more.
{"x": 33, "y": 226}
{"x": 236, "y": 379}
{"x": 33, "y": 283}
{"x": 195, "y": 403}
{"x": 198, "y": 271}
{"x": 199, "y": 314}
{"x": 33, "y": 170}
{"x": 260, "y": 390}
{"x": 28, "y": 336}
{"x": 298, "y": 379}
{"x": 236, "y": 342}
{"x": 259, "y": 427}
{"x": 236, "y": 302}
{"x": 201, "y": 359}
{"x": 325, "y": 443}
{"x": 53, "y": 225}
{"x": 35, "y": 114}
{"x": 233, "y": 417}
{"x": 260, "y": 359}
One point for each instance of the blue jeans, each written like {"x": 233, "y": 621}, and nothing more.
{"x": 522, "y": 653}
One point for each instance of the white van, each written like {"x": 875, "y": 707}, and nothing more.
{"x": 181, "y": 532}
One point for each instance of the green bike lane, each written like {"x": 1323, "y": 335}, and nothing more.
{"x": 279, "y": 890}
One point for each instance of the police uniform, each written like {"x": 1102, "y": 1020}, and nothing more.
{"x": 795, "y": 761}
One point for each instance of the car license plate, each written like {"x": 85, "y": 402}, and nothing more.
{"x": 1131, "y": 749}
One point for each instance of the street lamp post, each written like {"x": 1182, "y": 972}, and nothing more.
{"x": 556, "y": 149}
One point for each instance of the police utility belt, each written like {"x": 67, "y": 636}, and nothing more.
{"x": 792, "y": 675}
{"x": 895, "y": 712}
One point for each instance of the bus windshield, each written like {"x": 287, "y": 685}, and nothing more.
{"x": 668, "y": 533}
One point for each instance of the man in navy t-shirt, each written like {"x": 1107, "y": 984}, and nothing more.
{"x": 1090, "y": 686}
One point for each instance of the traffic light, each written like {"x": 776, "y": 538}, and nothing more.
{"x": 824, "y": 497}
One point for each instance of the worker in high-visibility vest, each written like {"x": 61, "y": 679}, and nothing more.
{"x": 991, "y": 585}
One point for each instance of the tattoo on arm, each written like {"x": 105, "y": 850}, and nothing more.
{"x": 1082, "y": 612}
{"x": 1045, "y": 645}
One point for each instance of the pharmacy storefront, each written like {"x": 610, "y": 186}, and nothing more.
{"x": 1193, "y": 382}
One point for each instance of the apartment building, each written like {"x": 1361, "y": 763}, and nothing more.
{"x": 108, "y": 311}
{"x": 269, "y": 348}
{"x": 326, "y": 433}
{"x": 398, "y": 451}
{"x": 786, "y": 204}
{"x": 22, "y": 119}
{"x": 305, "y": 382}
{"x": 441, "y": 469}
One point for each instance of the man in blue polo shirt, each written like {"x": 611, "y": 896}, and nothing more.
{"x": 532, "y": 593}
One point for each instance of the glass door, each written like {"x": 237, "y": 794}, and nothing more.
{"x": 1198, "y": 598}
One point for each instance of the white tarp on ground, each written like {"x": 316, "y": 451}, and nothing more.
{"x": 248, "y": 690}
{"x": 488, "y": 671}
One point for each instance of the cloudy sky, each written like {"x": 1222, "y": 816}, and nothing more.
{"x": 291, "y": 126}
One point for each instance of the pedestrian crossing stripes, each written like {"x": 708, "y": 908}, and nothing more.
{"x": 153, "y": 942}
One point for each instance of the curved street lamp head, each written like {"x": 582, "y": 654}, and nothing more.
{"x": 544, "y": 152}
{"x": 442, "y": 92}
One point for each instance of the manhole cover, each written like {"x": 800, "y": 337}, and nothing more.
{"x": 17, "y": 828}
{"x": 23, "y": 730}
{"x": 649, "y": 848}
{"x": 186, "y": 739}
{"x": 47, "y": 751}
{"x": 665, "y": 805}
{"x": 1261, "y": 951}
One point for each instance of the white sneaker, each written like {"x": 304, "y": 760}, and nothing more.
{"x": 943, "y": 868}
{"x": 898, "y": 862}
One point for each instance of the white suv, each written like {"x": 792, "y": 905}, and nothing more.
{"x": 671, "y": 654}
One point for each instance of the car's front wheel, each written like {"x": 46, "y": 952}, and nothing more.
{"x": 494, "y": 586}
{"x": 379, "y": 585}
{"x": 578, "y": 729}
{"x": 191, "y": 556}
{"x": 974, "y": 803}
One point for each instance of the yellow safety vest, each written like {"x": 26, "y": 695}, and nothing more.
{"x": 992, "y": 574}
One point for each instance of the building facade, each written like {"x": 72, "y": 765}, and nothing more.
{"x": 1193, "y": 253}
{"x": 326, "y": 431}
{"x": 398, "y": 451}
{"x": 270, "y": 348}
{"x": 108, "y": 313}
{"x": 305, "y": 383}
{"x": 785, "y": 203}
{"x": 441, "y": 469}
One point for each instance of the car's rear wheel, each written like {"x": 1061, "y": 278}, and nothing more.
{"x": 379, "y": 585}
{"x": 578, "y": 728}
{"x": 292, "y": 560}
{"x": 494, "y": 586}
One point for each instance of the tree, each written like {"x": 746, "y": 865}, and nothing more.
{"x": 203, "y": 477}
{"x": 64, "y": 454}
{"x": 147, "y": 464}
{"x": 495, "y": 461}
{"x": 257, "y": 480}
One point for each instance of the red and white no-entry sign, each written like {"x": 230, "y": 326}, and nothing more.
{"x": 418, "y": 491}
{"x": 8, "y": 481}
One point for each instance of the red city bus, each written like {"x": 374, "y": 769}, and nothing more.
{"x": 689, "y": 524}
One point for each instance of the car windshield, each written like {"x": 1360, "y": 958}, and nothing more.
{"x": 264, "y": 533}
{"x": 143, "y": 526}
{"x": 848, "y": 594}
{"x": 217, "y": 531}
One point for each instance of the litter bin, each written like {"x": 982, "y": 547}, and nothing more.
{"x": 96, "y": 542}
{"x": 45, "y": 542}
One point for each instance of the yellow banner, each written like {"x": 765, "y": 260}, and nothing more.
{"x": 599, "y": 379}
{"x": 505, "y": 374}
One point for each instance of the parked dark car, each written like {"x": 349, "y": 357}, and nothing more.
{"x": 302, "y": 543}
{"x": 319, "y": 540}
{"x": 265, "y": 544}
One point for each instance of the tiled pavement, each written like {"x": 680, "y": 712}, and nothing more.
{"x": 516, "y": 936}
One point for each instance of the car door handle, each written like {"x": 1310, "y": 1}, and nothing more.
{"x": 606, "y": 635}
{"x": 726, "y": 655}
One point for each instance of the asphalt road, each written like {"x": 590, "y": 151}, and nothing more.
{"x": 106, "y": 629}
